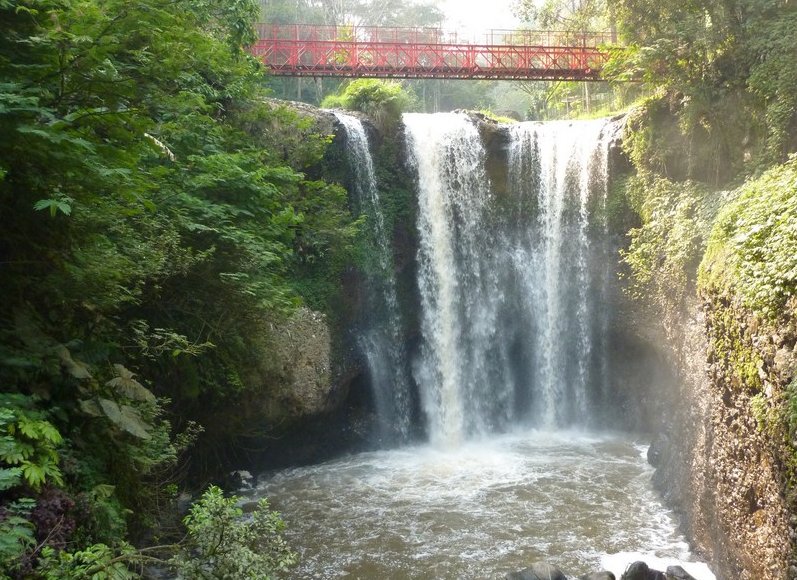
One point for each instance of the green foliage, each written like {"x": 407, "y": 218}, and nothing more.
{"x": 773, "y": 76}
{"x": 28, "y": 445}
{"x": 751, "y": 248}
{"x": 158, "y": 216}
{"x": 223, "y": 544}
{"x": 17, "y": 533}
{"x": 665, "y": 251}
{"x": 382, "y": 101}
{"x": 726, "y": 69}
{"x": 98, "y": 562}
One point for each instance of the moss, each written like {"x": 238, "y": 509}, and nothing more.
{"x": 733, "y": 348}
{"x": 620, "y": 215}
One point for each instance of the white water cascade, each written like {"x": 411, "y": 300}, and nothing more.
{"x": 463, "y": 369}
{"x": 563, "y": 271}
{"x": 512, "y": 328}
{"x": 380, "y": 339}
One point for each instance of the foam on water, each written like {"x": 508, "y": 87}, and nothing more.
{"x": 479, "y": 510}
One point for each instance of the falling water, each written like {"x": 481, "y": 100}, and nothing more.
{"x": 381, "y": 338}
{"x": 509, "y": 286}
{"x": 463, "y": 366}
{"x": 568, "y": 281}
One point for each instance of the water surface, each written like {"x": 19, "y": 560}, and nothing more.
{"x": 479, "y": 510}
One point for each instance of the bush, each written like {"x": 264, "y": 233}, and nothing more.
{"x": 383, "y": 101}
{"x": 665, "y": 251}
{"x": 751, "y": 248}
{"x": 221, "y": 543}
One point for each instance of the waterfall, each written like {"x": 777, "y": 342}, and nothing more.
{"x": 463, "y": 368}
{"x": 513, "y": 289}
{"x": 381, "y": 338}
{"x": 567, "y": 287}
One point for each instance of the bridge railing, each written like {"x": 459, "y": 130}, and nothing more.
{"x": 397, "y": 35}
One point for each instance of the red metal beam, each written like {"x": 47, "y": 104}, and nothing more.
{"x": 302, "y": 50}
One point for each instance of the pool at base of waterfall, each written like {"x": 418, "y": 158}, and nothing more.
{"x": 583, "y": 502}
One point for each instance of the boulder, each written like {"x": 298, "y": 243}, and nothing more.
{"x": 678, "y": 573}
{"x": 641, "y": 571}
{"x": 598, "y": 576}
{"x": 538, "y": 571}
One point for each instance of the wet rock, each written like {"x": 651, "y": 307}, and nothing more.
{"x": 678, "y": 573}
{"x": 303, "y": 351}
{"x": 240, "y": 479}
{"x": 598, "y": 576}
{"x": 641, "y": 571}
{"x": 657, "y": 447}
{"x": 538, "y": 571}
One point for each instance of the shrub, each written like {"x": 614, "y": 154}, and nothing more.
{"x": 751, "y": 248}
{"x": 383, "y": 101}
{"x": 221, "y": 543}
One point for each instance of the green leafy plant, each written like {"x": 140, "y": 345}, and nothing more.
{"x": 28, "y": 445}
{"x": 222, "y": 543}
{"x": 751, "y": 248}
{"x": 383, "y": 101}
{"x": 17, "y": 532}
{"x": 665, "y": 251}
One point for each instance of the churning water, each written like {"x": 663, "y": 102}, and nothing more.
{"x": 478, "y": 511}
{"x": 512, "y": 346}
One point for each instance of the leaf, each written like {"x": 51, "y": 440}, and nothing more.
{"x": 127, "y": 386}
{"x": 90, "y": 407}
{"x": 111, "y": 410}
{"x": 49, "y": 433}
{"x": 103, "y": 490}
{"x": 77, "y": 369}
{"x": 54, "y": 205}
{"x": 10, "y": 477}
{"x": 133, "y": 424}
{"x": 131, "y": 389}
{"x": 28, "y": 427}
{"x": 34, "y": 475}
{"x": 16, "y": 452}
{"x": 122, "y": 371}
{"x": 126, "y": 418}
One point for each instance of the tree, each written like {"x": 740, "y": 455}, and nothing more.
{"x": 157, "y": 218}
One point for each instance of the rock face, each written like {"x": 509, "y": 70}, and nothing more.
{"x": 303, "y": 350}
{"x": 715, "y": 464}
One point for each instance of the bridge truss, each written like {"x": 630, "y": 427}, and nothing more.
{"x": 347, "y": 51}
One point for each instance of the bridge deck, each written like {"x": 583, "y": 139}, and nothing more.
{"x": 303, "y": 50}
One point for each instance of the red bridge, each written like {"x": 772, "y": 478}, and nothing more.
{"x": 348, "y": 51}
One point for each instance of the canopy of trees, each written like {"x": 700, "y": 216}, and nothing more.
{"x": 156, "y": 218}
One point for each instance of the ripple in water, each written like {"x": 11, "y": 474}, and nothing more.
{"x": 480, "y": 510}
